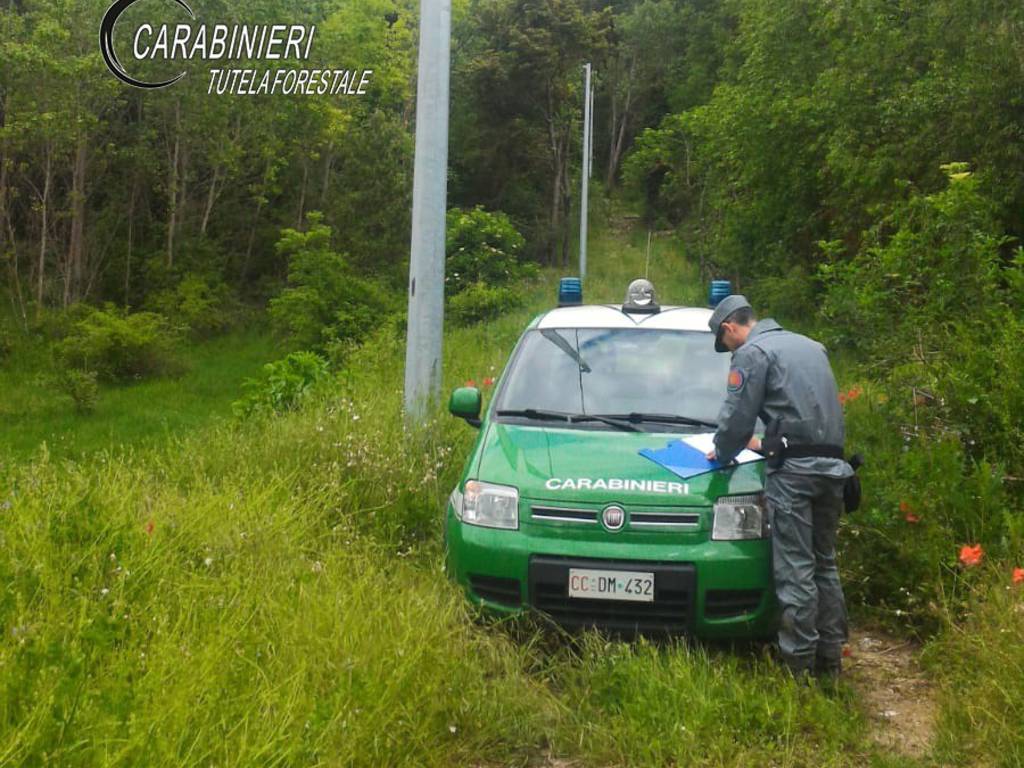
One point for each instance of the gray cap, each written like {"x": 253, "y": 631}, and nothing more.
{"x": 725, "y": 307}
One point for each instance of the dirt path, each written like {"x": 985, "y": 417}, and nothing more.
{"x": 898, "y": 697}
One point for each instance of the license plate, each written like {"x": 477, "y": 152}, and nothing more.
{"x": 611, "y": 585}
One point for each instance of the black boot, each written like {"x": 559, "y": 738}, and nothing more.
{"x": 828, "y": 668}
{"x": 800, "y": 667}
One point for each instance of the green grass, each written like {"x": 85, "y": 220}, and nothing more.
{"x": 271, "y": 593}
{"x": 979, "y": 663}
{"x": 33, "y": 410}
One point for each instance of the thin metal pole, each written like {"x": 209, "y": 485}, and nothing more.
{"x": 585, "y": 172}
{"x": 429, "y": 196}
{"x": 647, "y": 261}
{"x": 590, "y": 136}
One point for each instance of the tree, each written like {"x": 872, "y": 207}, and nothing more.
{"x": 524, "y": 77}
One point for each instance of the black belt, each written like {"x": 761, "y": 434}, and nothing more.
{"x": 809, "y": 450}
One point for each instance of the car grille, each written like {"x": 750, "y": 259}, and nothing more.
{"x": 638, "y": 520}
{"x": 496, "y": 589}
{"x": 563, "y": 514}
{"x": 671, "y": 611}
{"x": 721, "y": 603}
{"x": 664, "y": 520}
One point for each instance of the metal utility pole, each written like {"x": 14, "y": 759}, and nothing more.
{"x": 585, "y": 172}
{"x": 429, "y": 196}
{"x": 590, "y": 137}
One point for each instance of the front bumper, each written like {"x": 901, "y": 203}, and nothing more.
{"x": 712, "y": 589}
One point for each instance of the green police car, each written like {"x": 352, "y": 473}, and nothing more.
{"x": 558, "y": 511}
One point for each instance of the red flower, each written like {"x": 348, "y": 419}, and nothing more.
{"x": 910, "y": 517}
{"x": 469, "y": 383}
{"x": 847, "y": 652}
{"x": 971, "y": 556}
{"x": 488, "y": 381}
{"x": 150, "y": 526}
{"x": 1018, "y": 576}
{"x": 905, "y": 506}
{"x": 842, "y": 398}
{"x": 854, "y": 392}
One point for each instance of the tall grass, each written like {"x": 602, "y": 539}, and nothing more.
{"x": 980, "y": 666}
{"x": 271, "y": 593}
{"x": 161, "y": 616}
{"x": 33, "y": 410}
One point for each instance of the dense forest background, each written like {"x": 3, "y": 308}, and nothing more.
{"x": 776, "y": 135}
{"x": 855, "y": 165}
{"x": 860, "y": 162}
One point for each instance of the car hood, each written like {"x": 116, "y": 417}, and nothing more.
{"x": 548, "y": 463}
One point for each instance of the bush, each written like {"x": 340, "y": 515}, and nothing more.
{"x": 286, "y": 383}
{"x": 206, "y": 306}
{"x": 481, "y": 302}
{"x": 119, "y": 345}
{"x": 81, "y": 387}
{"x": 932, "y": 259}
{"x": 937, "y": 305}
{"x": 324, "y": 302}
{"x": 482, "y": 247}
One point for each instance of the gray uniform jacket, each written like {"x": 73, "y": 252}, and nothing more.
{"x": 780, "y": 374}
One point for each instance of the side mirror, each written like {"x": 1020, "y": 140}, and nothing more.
{"x": 465, "y": 403}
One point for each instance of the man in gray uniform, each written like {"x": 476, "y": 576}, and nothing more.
{"x": 786, "y": 379}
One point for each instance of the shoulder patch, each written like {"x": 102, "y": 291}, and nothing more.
{"x": 737, "y": 378}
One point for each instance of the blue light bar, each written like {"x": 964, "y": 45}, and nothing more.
{"x": 570, "y": 292}
{"x": 718, "y": 290}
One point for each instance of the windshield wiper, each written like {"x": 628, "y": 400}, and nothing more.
{"x": 664, "y": 418}
{"x": 563, "y": 344}
{"x": 611, "y": 420}
{"x": 533, "y": 413}
{"x": 572, "y": 418}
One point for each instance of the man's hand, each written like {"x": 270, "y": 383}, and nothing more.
{"x": 753, "y": 444}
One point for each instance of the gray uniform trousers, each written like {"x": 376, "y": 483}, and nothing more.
{"x": 804, "y": 511}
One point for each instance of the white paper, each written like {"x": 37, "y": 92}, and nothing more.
{"x": 705, "y": 442}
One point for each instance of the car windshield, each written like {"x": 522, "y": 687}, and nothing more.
{"x": 616, "y": 371}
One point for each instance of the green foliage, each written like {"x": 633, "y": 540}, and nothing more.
{"x": 35, "y": 410}
{"x": 324, "y": 302}
{"x": 516, "y": 109}
{"x": 675, "y": 704}
{"x": 6, "y": 343}
{"x": 657, "y": 172}
{"x": 296, "y": 563}
{"x": 120, "y": 345}
{"x": 932, "y": 261}
{"x": 482, "y": 302}
{"x": 931, "y": 297}
{"x": 285, "y": 575}
{"x": 925, "y": 497}
{"x": 81, "y": 387}
{"x": 482, "y": 247}
{"x": 980, "y": 666}
{"x": 816, "y": 111}
{"x": 284, "y": 385}
{"x": 184, "y": 588}
{"x": 371, "y": 203}
{"x": 206, "y": 306}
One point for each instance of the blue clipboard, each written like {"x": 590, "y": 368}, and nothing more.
{"x": 681, "y": 459}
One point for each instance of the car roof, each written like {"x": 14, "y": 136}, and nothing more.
{"x": 612, "y": 316}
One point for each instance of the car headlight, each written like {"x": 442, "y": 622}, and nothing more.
{"x": 487, "y": 504}
{"x": 740, "y": 517}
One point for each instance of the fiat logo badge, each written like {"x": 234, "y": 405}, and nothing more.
{"x": 613, "y": 518}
